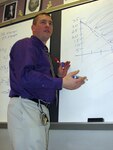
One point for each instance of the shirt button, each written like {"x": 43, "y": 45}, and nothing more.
{"x": 42, "y": 85}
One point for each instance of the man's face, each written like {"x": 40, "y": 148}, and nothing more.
{"x": 43, "y": 28}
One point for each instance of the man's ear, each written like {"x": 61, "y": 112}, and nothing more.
{"x": 33, "y": 28}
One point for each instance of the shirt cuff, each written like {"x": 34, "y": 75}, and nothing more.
{"x": 58, "y": 83}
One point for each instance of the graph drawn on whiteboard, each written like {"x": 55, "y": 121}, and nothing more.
{"x": 89, "y": 47}
{"x": 82, "y": 31}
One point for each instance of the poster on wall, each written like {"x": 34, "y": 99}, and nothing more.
{"x": 9, "y": 12}
{"x": 32, "y": 6}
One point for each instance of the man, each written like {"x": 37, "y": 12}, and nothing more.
{"x": 33, "y": 87}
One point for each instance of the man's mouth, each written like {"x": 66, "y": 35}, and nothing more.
{"x": 47, "y": 31}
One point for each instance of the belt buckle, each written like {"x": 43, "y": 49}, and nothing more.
{"x": 43, "y": 103}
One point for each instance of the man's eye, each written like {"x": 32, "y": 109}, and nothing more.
{"x": 43, "y": 22}
{"x": 51, "y": 23}
{"x": 47, "y": 22}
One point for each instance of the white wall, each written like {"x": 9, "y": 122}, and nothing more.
{"x": 4, "y": 140}
{"x": 79, "y": 139}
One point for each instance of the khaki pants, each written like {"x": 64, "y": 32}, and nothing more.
{"x": 24, "y": 125}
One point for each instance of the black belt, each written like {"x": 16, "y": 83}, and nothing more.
{"x": 38, "y": 101}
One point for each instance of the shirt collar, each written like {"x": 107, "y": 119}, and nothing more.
{"x": 38, "y": 41}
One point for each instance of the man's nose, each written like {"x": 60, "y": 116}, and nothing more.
{"x": 47, "y": 24}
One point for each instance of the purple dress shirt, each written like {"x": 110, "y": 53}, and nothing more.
{"x": 30, "y": 75}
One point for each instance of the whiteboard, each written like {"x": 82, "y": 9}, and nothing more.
{"x": 87, "y": 41}
{"x": 8, "y": 36}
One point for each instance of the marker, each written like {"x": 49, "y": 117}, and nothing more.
{"x": 58, "y": 62}
{"x": 75, "y": 77}
{"x": 63, "y": 65}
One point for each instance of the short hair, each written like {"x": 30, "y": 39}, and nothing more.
{"x": 35, "y": 18}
